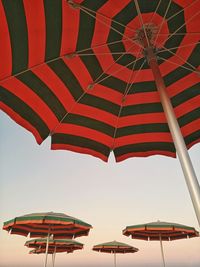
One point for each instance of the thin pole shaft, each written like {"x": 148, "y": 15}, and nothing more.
{"x": 47, "y": 247}
{"x": 54, "y": 257}
{"x": 115, "y": 260}
{"x": 162, "y": 251}
{"x": 181, "y": 149}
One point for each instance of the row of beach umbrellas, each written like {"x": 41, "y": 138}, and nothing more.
{"x": 55, "y": 233}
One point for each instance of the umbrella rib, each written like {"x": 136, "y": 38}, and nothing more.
{"x": 141, "y": 20}
{"x": 123, "y": 35}
{"x": 102, "y": 15}
{"x": 182, "y": 26}
{"x": 176, "y": 47}
{"x": 174, "y": 54}
{"x": 163, "y": 20}
{"x": 125, "y": 94}
{"x": 157, "y": 7}
{"x": 181, "y": 66}
{"x": 124, "y": 53}
{"x": 100, "y": 45}
{"x": 180, "y": 33}
{"x": 129, "y": 64}
{"x": 104, "y": 54}
{"x": 32, "y": 68}
{"x": 182, "y": 10}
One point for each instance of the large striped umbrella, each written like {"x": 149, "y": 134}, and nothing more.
{"x": 55, "y": 246}
{"x": 106, "y": 75}
{"x": 161, "y": 231}
{"x": 115, "y": 247}
{"x": 46, "y": 224}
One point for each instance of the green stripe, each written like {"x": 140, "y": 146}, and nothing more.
{"x": 89, "y": 123}
{"x": 143, "y": 128}
{"x": 81, "y": 142}
{"x": 87, "y": 24}
{"x": 100, "y": 103}
{"x": 67, "y": 77}
{"x": 44, "y": 93}
{"x": 144, "y": 147}
{"x": 25, "y": 112}
{"x": 53, "y": 14}
{"x": 186, "y": 95}
{"x": 189, "y": 117}
{"x": 16, "y": 20}
{"x": 192, "y": 137}
{"x": 142, "y": 109}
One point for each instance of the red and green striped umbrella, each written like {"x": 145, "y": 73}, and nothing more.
{"x": 45, "y": 224}
{"x": 160, "y": 231}
{"x": 106, "y": 75}
{"x": 55, "y": 246}
{"x": 115, "y": 247}
{"x": 59, "y": 225}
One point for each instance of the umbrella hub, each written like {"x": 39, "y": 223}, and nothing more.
{"x": 148, "y": 31}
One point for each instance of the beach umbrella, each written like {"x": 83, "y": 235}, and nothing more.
{"x": 101, "y": 76}
{"x": 55, "y": 246}
{"x": 160, "y": 231}
{"x": 59, "y": 225}
{"x": 115, "y": 247}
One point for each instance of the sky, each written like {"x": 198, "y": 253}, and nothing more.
{"x": 109, "y": 196}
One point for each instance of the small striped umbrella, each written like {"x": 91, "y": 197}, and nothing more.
{"x": 102, "y": 76}
{"x": 55, "y": 246}
{"x": 160, "y": 231}
{"x": 45, "y": 224}
{"x": 115, "y": 247}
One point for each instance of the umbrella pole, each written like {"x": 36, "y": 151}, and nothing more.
{"x": 181, "y": 149}
{"x": 54, "y": 257}
{"x": 115, "y": 260}
{"x": 162, "y": 251}
{"x": 47, "y": 247}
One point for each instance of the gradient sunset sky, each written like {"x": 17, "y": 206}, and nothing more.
{"x": 110, "y": 196}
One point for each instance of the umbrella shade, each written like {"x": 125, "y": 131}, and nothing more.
{"x": 48, "y": 223}
{"x": 50, "y": 250}
{"x": 160, "y": 230}
{"x": 115, "y": 247}
{"x": 54, "y": 244}
{"x": 77, "y": 71}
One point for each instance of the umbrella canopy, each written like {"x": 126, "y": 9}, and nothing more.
{"x": 101, "y": 76}
{"x": 54, "y": 246}
{"x": 67, "y": 245}
{"x": 161, "y": 231}
{"x": 41, "y": 224}
{"x": 78, "y": 71}
{"x": 115, "y": 247}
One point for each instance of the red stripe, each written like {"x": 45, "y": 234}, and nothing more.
{"x": 80, "y": 150}
{"x": 5, "y": 46}
{"x": 84, "y": 132}
{"x": 145, "y": 154}
{"x": 142, "y": 98}
{"x": 18, "y": 119}
{"x": 24, "y": 93}
{"x": 194, "y": 23}
{"x": 48, "y": 76}
{"x": 142, "y": 138}
{"x": 95, "y": 113}
{"x": 139, "y": 119}
{"x": 190, "y": 128}
{"x": 35, "y": 18}
{"x": 81, "y": 73}
{"x": 70, "y": 22}
{"x": 187, "y": 107}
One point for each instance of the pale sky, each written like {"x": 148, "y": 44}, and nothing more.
{"x": 110, "y": 196}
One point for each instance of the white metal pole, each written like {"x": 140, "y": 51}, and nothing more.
{"x": 54, "y": 256}
{"x": 162, "y": 251}
{"x": 115, "y": 260}
{"x": 47, "y": 247}
{"x": 181, "y": 149}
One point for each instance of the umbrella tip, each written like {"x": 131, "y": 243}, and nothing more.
{"x": 72, "y": 4}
